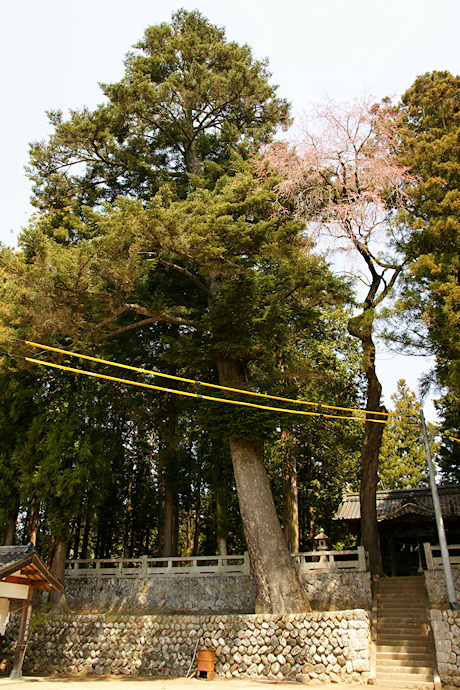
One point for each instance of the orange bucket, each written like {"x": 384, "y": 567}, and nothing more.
{"x": 205, "y": 664}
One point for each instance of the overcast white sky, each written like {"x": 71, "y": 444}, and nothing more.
{"x": 54, "y": 52}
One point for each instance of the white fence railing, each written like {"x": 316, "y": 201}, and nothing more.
{"x": 434, "y": 558}
{"x": 207, "y": 565}
{"x": 149, "y": 567}
{"x": 353, "y": 559}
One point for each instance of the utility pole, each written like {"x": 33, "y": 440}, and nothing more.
{"x": 451, "y": 593}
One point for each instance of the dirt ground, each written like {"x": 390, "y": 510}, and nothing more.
{"x": 162, "y": 683}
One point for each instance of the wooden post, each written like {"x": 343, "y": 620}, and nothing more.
{"x": 145, "y": 565}
{"x": 362, "y": 567}
{"x": 21, "y": 645}
{"x": 428, "y": 555}
{"x": 247, "y": 564}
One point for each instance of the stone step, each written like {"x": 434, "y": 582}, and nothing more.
{"x": 397, "y": 621}
{"x": 387, "y": 637}
{"x": 410, "y": 664}
{"x": 385, "y": 578}
{"x": 393, "y": 611}
{"x": 401, "y": 632}
{"x": 400, "y": 587}
{"x": 409, "y": 630}
{"x": 402, "y": 578}
{"x": 403, "y": 615}
{"x": 411, "y": 590}
{"x": 396, "y": 673}
{"x": 402, "y": 626}
{"x": 415, "y": 656}
{"x": 406, "y": 685}
{"x": 402, "y": 594}
{"x": 401, "y": 582}
{"x": 397, "y": 593}
{"x": 404, "y": 655}
{"x": 390, "y": 595}
{"x": 402, "y": 643}
{"x": 400, "y": 651}
{"x": 395, "y": 599}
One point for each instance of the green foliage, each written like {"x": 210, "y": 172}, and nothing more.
{"x": 402, "y": 463}
{"x": 155, "y": 244}
{"x": 449, "y": 455}
{"x": 430, "y": 138}
{"x": 430, "y": 142}
{"x": 189, "y": 97}
{"x": 322, "y": 366}
{"x": 17, "y": 408}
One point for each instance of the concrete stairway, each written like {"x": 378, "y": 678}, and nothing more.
{"x": 404, "y": 654}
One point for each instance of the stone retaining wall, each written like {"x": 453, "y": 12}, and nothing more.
{"x": 436, "y": 586}
{"x": 446, "y": 632}
{"x": 334, "y": 591}
{"x": 337, "y": 590}
{"x": 162, "y": 594}
{"x": 332, "y": 646}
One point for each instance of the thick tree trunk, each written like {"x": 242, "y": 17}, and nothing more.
{"x": 32, "y": 527}
{"x": 10, "y": 529}
{"x": 361, "y": 327}
{"x": 167, "y": 448}
{"x": 312, "y": 527}
{"x": 290, "y": 493}
{"x": 278, "y": 586}
{"x": 11, "y": 520}
{"x": 129, "y": 510}
{"x": 76, "y": 539}
{"x": 169, "y": 523}
{"x": 369, "y": 475}
{"x": 58, "y": 599}
{"x": 189, "y": 547}
{"x": 196, "y": 534}
{"x": 221, "y": 534}
{"x": 86, "y": 531}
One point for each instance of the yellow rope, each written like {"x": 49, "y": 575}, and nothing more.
{"x": 198, "y": 395}
{"x": 201, "y": 383}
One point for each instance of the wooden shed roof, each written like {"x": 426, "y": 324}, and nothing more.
{"x": 23, "y": 562}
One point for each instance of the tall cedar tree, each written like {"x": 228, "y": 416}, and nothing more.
{"x": 431, "y": 297}
{"x": 190, "y": 107}
{"x": 402, "y": 455}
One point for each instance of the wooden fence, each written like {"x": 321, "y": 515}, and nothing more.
{"x": 207, "y": 565}
{"x": 434, "y": 558}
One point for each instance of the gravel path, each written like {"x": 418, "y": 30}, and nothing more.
{"x": 161, "y": 683}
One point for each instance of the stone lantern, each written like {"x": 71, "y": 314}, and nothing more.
{"x": 321, "y": 544}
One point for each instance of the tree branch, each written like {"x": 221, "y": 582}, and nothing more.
{"x": 185, "y": 272}
{"x": 139, "y": 324}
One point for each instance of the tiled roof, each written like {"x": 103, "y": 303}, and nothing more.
{"x": 12, "y": 554}
{"x": 392, "y": 504}
{"x": 23, "y": 559}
